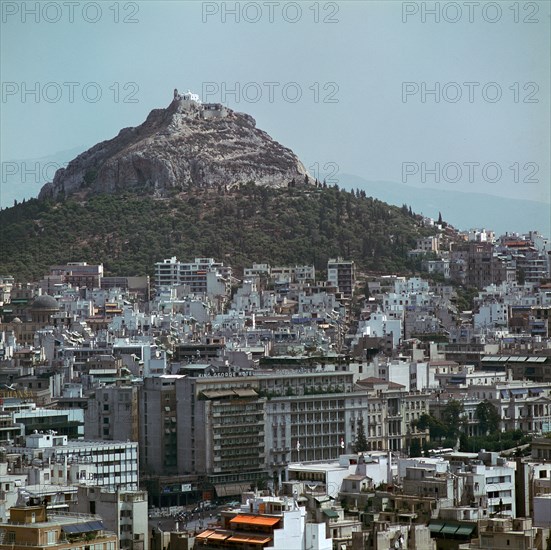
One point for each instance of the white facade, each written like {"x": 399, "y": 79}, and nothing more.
{"x": 98, "y": 463}
{"x": 296, "y": 534}
{"x": 491, "y": 315}
{"x": 380, "y": 325}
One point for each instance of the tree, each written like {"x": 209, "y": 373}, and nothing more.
{"x": 437, "y": 429}
{"x": 360, "y": 445}
{"x": 415, "y": 448}
{"x": 440, "y": 218}
{"x": 452, "y": 415}
{"x": 488, "y": 418}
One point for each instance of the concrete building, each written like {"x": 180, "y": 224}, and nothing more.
{"x": 158, "y": 425}
{"x": 267, "y": 522}
{"x": 103, "y": 464}
{"x": 123, "y": 512}
{"x": 34, "y": 526}
{"x": 519, "y": 533}
{"x": 202, "y": 276}
{"x": 79, "y": 274}
{"x": 542, "y": 511}
{"x": 342, "y": 274}
{"x": 476, "y": 264}
{"x": 391, "y": 410}
{"x": 112, "y": 414}
{"x": 236, "y": 428}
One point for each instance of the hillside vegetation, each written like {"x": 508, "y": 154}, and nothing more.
{"x": 130, "y": 232}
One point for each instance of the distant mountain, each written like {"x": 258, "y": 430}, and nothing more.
{"x": 186, "y": 146}
{"x": 462, "y": 210}
{"x": 23, "y": 178}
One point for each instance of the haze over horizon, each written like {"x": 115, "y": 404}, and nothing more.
{"x": 380, "y": 90}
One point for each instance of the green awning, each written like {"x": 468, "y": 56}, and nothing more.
{"x": 436, "y": 526}
{"x": 449, "y": 529}
{"x": 465, "y": 530}
{"x": 330, "y": 513}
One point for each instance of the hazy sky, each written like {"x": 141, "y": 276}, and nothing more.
{"x": 346, "y": 85}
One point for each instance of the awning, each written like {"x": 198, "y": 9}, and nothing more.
{"x": 204, "y": 534}
{"x": 330, "y": 513}
{"x": 232, "y": 489}
{"x": 465, "y": 530}
{"x": 259, "y": 539}
{"x": 245, "y": 392}
{"x": 436, "y": 526}
{"x": 239, "y": 538}
{"x": 245, "y": 519}
{"x": 84, "y": 527}
{"x": 218, "y": 536}
{"x": 449, "y": 529}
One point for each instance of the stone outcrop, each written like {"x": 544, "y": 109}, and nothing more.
{"x": 186, "y": 145}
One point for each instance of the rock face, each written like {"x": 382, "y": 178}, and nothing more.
{"x": 186, "y": 145}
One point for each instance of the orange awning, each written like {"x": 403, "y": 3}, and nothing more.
{"x": 218, "y": 536}
{"x": 259, "y": 540}
{"x": 238, "y": 538}
{"x": 204, "y": 534}
{"x": 255, "y": 520}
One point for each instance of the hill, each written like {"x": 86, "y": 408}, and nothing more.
{"x": 129, "y": 232}
{"x": 464, "y": 210}
{"x": 185, "y": 146}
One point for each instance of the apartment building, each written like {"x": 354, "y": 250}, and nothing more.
{"x": 391, "y": 409}
{"x": 99, "y": 463}
{"x": 202, "y": 276}
{"x": 36, "y": 527}
{"x": 112, "y": 414}
{"x": 158, "y": 425}
{"x": 269, "y": 522}
{"x": 520, "y": 405}
{"x": 239, "y": 429}
{"x": 236, "y": 428}
{"x": 123, "y": 512}
{"x": 342, "y": 275}
{"x": 476, "y": 264}
{"x": 79, "y": 274}
{"x": 518, "y": 533}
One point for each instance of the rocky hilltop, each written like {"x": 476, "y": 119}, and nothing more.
{"x": 187, "y": 145}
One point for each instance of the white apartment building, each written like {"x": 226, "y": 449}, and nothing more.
{"x": 99, "y": 463}
{"x": 491, "y": 316}
{"x": 380, "y": 325}
{"x": 123, "y": 512}
{"x": 202, "y": 276}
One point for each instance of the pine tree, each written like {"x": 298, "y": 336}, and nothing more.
{"x": 440, "y": 218}
{"x": 360, "y": 445}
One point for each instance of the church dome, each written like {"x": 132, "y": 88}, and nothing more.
{"x": 45, "y": 302}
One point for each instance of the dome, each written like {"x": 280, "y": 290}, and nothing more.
{"x": 45, "y": 302}
{"x": 16, "y": 320}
